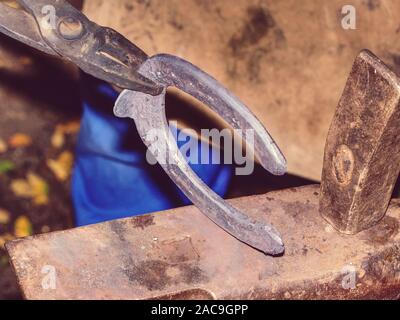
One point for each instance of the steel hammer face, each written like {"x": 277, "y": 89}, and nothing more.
{"x": 362, "y": 153}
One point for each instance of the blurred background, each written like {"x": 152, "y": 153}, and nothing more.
{"x": 287, "y": 60}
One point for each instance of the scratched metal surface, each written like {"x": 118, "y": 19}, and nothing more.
{"x": 182, "y": 254}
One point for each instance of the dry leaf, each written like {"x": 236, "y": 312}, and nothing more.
{"x": 4, "y": 216}
{"x": 21, "y": 188}
{"x": 3, "y": 146}
{"x": 20, "y": 140}
{"x": 62, "y": 167}
{"x": 69, "y": 127}
{"x": 40, "y": 189}
{"x": 5, "y": 238}
{"x": 22, "y": 227}
{"x": 26, "y": 61}
{"x": 35, "y": 188}
{"x": 57, "y": 139}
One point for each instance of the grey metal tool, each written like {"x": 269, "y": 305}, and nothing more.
{"x": 107, "y": 55}
{"x": 57, "y": 28}
{"x": 150, "y": 117}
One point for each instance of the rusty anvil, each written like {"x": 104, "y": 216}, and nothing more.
{"x": 342, "y": 238}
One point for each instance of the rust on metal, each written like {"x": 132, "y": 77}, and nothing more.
{"x": 362, "y": 153}
{"x": 181, "y": 254}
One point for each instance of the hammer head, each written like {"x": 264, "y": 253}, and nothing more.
{"x": 362, "y": 153}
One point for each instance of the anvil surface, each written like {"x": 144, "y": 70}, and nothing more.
{"x": 180, "y": 254}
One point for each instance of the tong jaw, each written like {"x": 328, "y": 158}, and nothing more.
{"x": 99, "y": 51}
{"x": 149, "y": 115}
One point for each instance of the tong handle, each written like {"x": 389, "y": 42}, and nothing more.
{"x": 99, "y": 51}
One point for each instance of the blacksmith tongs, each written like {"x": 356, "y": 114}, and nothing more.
{"x": 57, "y": 28}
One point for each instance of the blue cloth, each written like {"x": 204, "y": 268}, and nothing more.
{"x": 112, "y": 178}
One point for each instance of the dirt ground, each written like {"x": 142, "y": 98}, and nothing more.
{"x": 33, "y": 104}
